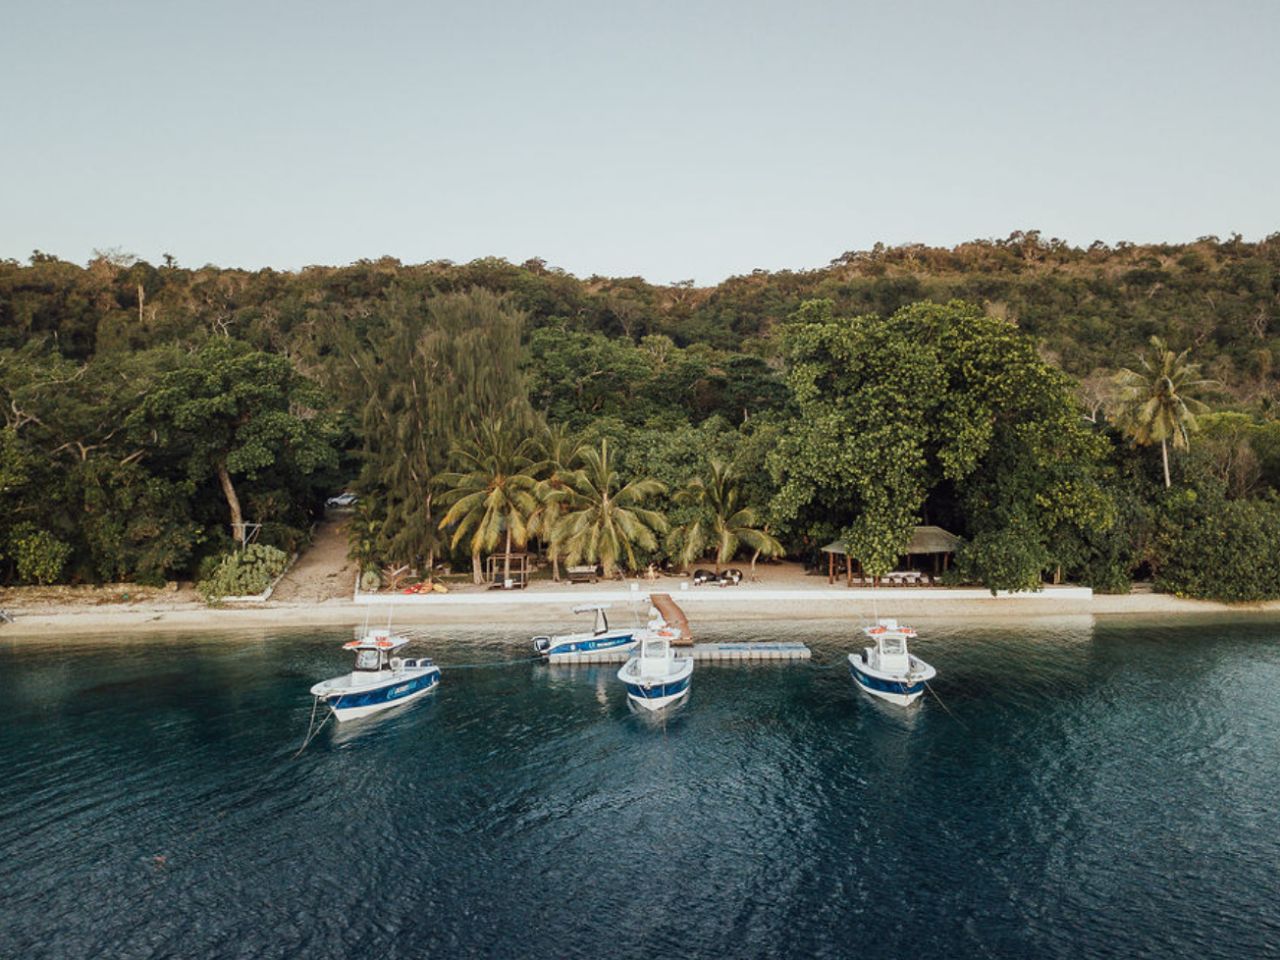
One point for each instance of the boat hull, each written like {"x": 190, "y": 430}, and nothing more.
{"x": 565, "y": 648}
{"x": 353, "y": 704}
{"x": 654, "y": 693}
{"x": 899, "y": 690}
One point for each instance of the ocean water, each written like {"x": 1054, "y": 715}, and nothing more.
{"x": 1078, "y": 790}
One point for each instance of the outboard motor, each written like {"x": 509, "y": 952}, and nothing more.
{"x": 541, "y": 645}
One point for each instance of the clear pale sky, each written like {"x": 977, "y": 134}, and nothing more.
{"x": 670, "y": 140}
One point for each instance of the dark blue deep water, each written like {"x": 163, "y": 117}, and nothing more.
{"x": 1097, "y": 790}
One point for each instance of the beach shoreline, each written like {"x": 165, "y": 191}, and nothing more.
{"x": 549, "y": 607}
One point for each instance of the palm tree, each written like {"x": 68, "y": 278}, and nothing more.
{"x": 492, "y": 493}
{"x": 561, "y": 453}
{"x": 1155, "y": 405}
{"x": 603, "y": 519}
{"x": 721, "y": 522}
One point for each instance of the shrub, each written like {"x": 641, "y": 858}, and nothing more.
{"x": 1009, "y": 558}
{"x": 282, "y": 536}
{"x": 1214, "y": 549}
{"x": 1107, "y": 559}
{"x": 38, "y": 554}
{"x": 243, "y": 573}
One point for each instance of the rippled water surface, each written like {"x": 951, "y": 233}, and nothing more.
{"x": 1105, "y": 790}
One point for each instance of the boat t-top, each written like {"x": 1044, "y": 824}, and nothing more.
{"x": 601, "y": 637}
{"x": 379, "y": 679}
{"x": 657, "y": 676}
{"x": 885, "y": 669}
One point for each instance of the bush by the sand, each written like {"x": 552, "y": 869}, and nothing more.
{"x": 1209, "y": 548}
{"x": 244, "y": 573}
{"x": 38, "y": 554}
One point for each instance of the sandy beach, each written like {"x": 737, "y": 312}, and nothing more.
{"x": 315, "y": 596}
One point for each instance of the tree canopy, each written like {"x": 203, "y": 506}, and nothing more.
{"x": 938, "y": 411}
{"x": 145, "y": 406}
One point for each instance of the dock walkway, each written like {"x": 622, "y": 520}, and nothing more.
{"x": 702, "y": 652}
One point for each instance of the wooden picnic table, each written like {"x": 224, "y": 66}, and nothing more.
{"x": 897, "y": 578}
{"x": 906, "y": 578}
{"x": 581, "y": 574}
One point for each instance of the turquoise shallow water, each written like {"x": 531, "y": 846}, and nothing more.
{"x": 1095, "y": 791}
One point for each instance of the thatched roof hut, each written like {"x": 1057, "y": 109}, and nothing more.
{"x": 926, "y": 540}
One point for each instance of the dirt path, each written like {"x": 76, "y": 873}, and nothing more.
{"x": 323, "y": 571}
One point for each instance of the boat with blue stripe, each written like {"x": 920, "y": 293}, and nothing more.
{"x": 602, "y": 637}
{"x": 657, "y": 676}
{"x": 379, "y": 680}
{"x": 655, "y": 695}
{"x": 886, "y": 669}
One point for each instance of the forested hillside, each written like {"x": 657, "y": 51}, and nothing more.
{"x": 149, "y": 407}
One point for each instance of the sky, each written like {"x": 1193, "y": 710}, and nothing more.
{"x": 674, "y": 141}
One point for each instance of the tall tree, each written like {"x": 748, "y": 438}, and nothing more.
{"x": 430, "y": 373}
{"x": 492, "y": 494}
{"x": 1156, "y": 404}
{"x": 561, "y": 453}
{"x": 722, "y": 523}
{"x": 230, "y": 411}
{"x": 604, "y": 518}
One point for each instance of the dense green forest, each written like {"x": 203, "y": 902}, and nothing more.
{"x": 997, "y": 388}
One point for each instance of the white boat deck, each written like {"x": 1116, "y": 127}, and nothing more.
{"x": 701, "y": 652}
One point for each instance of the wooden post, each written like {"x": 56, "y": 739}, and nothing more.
{"x": 848, "y": 571}
{"x": 831, "y": 568}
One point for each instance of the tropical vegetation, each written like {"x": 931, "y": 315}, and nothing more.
{"x": 1093, "y": 414}
{"x": 1155, "y": 405}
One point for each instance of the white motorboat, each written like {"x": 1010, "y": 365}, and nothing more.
{"x": 657, "y": 676}
{"x": 379, "y": 679}
{"x": 886, "y": 669}
{"x": 601, "y": 637}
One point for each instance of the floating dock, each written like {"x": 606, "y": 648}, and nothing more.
{"x": 703, "y": 652}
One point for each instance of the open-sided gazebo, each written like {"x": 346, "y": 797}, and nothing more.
{"x": 926, "y": 540}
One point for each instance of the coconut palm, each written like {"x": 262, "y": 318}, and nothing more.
{"x": 1154, "y": 405}
{"x": 492, "y": 493}
{"x": 603, "y": 518}
{"x": 560, "y": 454}
{"x": 721, "y": 523}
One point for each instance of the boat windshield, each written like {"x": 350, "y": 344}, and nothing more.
{"x": 367, "y": 660}
{"x": 656, "y": 647}
{"x": 893, "y": 645}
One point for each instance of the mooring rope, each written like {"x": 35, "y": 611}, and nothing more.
{"x": 964, "y": 726}
{"x": 312, "y": 729}
{"x": 928, "y": 686}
